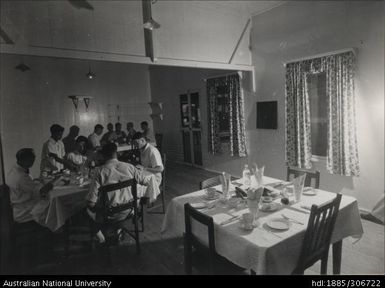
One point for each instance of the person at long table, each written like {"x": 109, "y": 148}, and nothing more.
{"x": 150, "y": 157}
{"x": 24, "y": 194}
{"x": 114, "y": 171}
{"x": 53, "y": 146}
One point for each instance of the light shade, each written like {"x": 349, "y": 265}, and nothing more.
{"x": 90, "y": 75}
{"x": 151, "y": 24}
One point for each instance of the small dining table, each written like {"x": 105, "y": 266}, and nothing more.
{"x": 264, "y": 250}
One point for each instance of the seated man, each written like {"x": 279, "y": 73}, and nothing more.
{"x": 114, "y": 171}
{"x": 94, "y": 138}
{"x": 109, "y": 136}
{"x": 53, "y": 146}
{"x": 130, "y": 132}
{"x": 147, "y": 132}
{"x": 70, "y": 139}
{"x": 151, "y": 160}
{"x": 24, "y": 195}
{"x": 120, "y": 135}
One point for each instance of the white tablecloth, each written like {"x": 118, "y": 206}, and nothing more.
{"x": 264, "y": 250}
{"x": 65, "y": 201}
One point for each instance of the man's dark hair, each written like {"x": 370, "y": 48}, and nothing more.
{"x": 55, "y": 128}
{"x": 81, "y": 139}
{"x": 137, "y": 136}
{"x": 98, "y": 126}
{"x": 144, "y": 123}
{"x": 110, "y": 124}
{"x": 118, "y": 124}
{"x": 24, "y": 153}
{"x": 74, "y": 129}
{"x": 108, "y": 150}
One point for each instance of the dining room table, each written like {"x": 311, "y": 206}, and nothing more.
{"x": 264, "y": 249}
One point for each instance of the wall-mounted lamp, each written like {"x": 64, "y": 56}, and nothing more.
{"x": 75, "y": 100}
{"x": 151, "y": 24}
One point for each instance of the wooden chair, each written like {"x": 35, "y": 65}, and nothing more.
{"x": 162, "y": 190}
{"x": 20, "y": 242}
{"x": 215, "y": 262}
{"x": 211, "y": 182}
{"x": 296, "y": 172}
{"x": 104, "y": 211}
{"x": 159, "y": 140}
{"x": 316, "y": 243}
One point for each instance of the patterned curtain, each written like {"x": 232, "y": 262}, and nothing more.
{"x": 298, "y": 140}
{"x": 213, "y": 137}
{"x": 342, "y": 155}
{"x": 237, "y": 121}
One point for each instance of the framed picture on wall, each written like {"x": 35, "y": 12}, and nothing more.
{"x": 267, "y": 117}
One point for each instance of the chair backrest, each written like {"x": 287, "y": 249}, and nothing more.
{"x": 164, "y": 160}
{"x": 159, "y": 140}
{"x": 6, "y": 227}
{"x": 214, "y": 181}
{"x": 193, "y": 214}
{"x": 105, "y": 210}
{"x": 296, "y": 172}
{"x": 319, "y": 232}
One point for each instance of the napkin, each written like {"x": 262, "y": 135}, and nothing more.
{"x": 258, "y": 174}
{"x": 225, "y": 181}
{"x": 298, "y": 183}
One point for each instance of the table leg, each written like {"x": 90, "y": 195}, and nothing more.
{"x": 337, "y": 254}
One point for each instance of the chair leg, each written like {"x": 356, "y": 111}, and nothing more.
{"x": 163, "y": 203}
{"x": 324, "y": 263}
{"x": 187, "y": 257}
{"x": 142, "y": 215}
{"x": 135, "y": 218}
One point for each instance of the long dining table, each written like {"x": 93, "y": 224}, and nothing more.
{"x": 264, "y": 250}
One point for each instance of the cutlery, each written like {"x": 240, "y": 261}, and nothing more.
{"x": 219, "y": 191}
{"x": 265, "y": 230}
{"x": 230, "y": 220}
{"x": 291, "y": 219}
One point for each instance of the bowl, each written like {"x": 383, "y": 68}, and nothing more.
{"x": 267, "y": 199}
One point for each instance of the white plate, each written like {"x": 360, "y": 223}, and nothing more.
{"x": 309, "y": 192}
{"x": 270, "y": 207}
{"x": 279, "y": 224}
{"x": 199, "y": 205}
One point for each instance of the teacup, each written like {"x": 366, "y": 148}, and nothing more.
{"x": 210, "y": 192}
{"x": 233, "y": 202}
{"x": 248, "y": 220}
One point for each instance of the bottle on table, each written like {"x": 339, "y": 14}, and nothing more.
{"x": 246, "y": 176}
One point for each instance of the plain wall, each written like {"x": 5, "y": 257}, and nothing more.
{"x": 298, "y": 29}
{"x": 32, "y": 101}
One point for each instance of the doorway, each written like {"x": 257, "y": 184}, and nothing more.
{"x": 191, "y": 127}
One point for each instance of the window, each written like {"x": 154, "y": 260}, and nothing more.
{"x": 318, "y": 113}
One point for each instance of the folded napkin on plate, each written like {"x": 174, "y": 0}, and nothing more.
{"x": 254, "y": 194}
{"x": 258, "y": 174}
{"x": 298, "y": 183}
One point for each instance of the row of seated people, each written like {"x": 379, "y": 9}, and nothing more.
{"x": 25, "y": 192}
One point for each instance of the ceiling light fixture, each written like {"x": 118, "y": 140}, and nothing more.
{"x": 90, "y": 75}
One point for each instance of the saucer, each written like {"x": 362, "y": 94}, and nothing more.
{"x": 309, "y": 191}
{"x": 279, "y": 224}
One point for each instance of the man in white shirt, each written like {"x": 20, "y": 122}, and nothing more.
{"x": 114, "y": 171}
{"x": 150, "y": 157}
{"x": 54, "y": 146}
{"x": 147, "y": 132}
{"x": 24, "y": 192}
{"x": 95, "y": 137}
